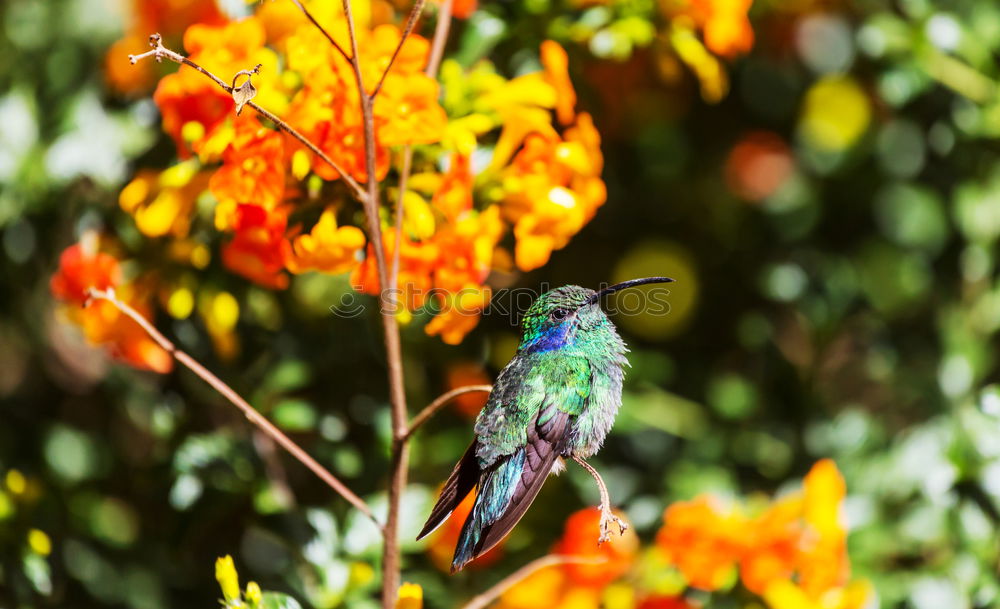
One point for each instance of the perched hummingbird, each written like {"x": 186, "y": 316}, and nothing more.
{"x": 557, "y": 398}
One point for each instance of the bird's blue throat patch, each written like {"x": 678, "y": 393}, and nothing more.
{"x": 549, "y": 340}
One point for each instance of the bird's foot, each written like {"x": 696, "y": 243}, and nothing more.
{"x": 608, "y": 519}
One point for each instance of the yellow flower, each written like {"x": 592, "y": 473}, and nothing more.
{"x": 556, "y": 64}
{"x": 162, "y": 203}
{"x": 709, "y": 71}
{"x": 327, "y": 248}
{"x": 229, "y": 581}
{"x": 411, "y": 596}
{"x": 253, "y": 594}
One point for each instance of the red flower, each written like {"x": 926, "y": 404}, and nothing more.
{"x": 80, "y": 270}
{"x": 580, "y": 539}
{"x": 253, "y": 168}
{"x": 256, "y": 252}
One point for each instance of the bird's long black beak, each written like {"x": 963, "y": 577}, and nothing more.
{"x": 631, "y": 283}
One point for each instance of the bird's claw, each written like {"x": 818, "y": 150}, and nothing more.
{"x": 607, "y": 519}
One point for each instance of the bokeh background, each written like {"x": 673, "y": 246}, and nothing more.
{"x": 829, "y": 203}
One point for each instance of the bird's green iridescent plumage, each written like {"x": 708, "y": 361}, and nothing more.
{"x": 557, "y": 398}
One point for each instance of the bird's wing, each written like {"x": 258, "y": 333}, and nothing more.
{"x": 529, "y": 391}
{"x": 508, "y": 489}
{"x": 553, "y": 392}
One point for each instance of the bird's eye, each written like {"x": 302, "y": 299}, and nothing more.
{"x": 559, "y": 314}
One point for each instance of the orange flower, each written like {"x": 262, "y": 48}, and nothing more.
{"x": 252, "y": 171}
{"x": 451, "y": 265}
{"x": 664, "y": 602}
{"x": 119, "y": 72}
{"x": 339, "y": 132}
{"x": 186, "y": 96}
{"x": 772, "y": 548}
{"x": 416, "y": 267}
{"x": 460, "y": 313}
{"x": 553, "y": 188}
{"x": 794, "y": 549}
{"x": 580, "y": 539}
{"x": 257, "y": 250}
{"x": 556, "y": 64}
{"x": 328, "y": 248}
{"x": 80, "y": 270}
{"x": 454, "y": 195}
{"x": 103, "y": 324}
{"x": 551, "y": 588}
{"x": 442, "y": 541}
{"x": 462, "y": 9}
{"x": 725, "y": 25}
{"x": 408, "y": 112}
{"x": 168, "y": 18}
{"x": 703, "y": 540}
{"x": 824, "y": 562}
{"x": 81, "y": 267}
{"x": 378, "y": 48}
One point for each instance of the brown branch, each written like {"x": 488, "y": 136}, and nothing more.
{"x": 440, "y": 38}
{"x": 322, "y": 30}
{"x": 159, "y": 52}
{"x": 227, "y": 392}
{"x": 431, "y": 409}
{"x": 411, "y": 21}
{"x": 393, "y": 350}
{"x": 483, "y": 600}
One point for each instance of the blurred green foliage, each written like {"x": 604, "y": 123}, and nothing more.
{"x": 850, "y": 311}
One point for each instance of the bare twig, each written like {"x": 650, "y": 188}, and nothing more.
{"x": 394, "y": 359}
{"x": 440, "y": 37}
{"x": 483, "y": 600}
{"x": 159, "y": 52}
{"x": 227, "y": 392}
{"x": 418, "y": 7}
{"x": 440, "y": 402}
{"x": 272, "y": 465}
{"x": 322, "y": 30}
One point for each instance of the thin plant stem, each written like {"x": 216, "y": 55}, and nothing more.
{"x": 440, "y": 402}
{"x": 483, "y": 600}
{"x": 411, "y": 21}
{"x": 399, "y": 460}
{"x": 230, "y": 394}
{"x": 440, "y": 38}
{"x": 159, "y": 52}
{"x": 322, "y": 30}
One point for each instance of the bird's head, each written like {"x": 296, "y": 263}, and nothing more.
{"x": 557, "y": 316}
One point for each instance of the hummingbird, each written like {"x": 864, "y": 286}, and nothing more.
{"x": 555, "y": 400}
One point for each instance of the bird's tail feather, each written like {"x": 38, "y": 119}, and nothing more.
{"x": 459, "y": 484}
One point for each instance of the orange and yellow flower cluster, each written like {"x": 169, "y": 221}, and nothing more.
{"x": 492, "y": 157}
{"x": 790, "y": 552}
